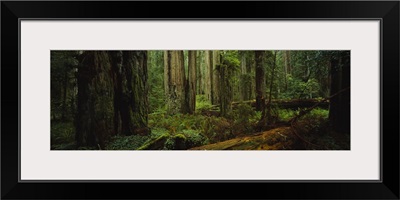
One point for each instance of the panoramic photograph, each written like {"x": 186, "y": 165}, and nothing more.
{"x": 200, "y": 100}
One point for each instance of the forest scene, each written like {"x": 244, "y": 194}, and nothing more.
{"x": 200, "y": 100}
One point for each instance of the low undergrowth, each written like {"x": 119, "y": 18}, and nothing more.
{"x": 184, "y": 131}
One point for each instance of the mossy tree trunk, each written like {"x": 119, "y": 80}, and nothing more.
{"x": 112, "y": 95}
{"x": 339, "y": 109}
{"x": 117, "y": 68}
{"x": 133, "y": 99}
{"x": 260, "y": 80}
{"x": 174, "y": 80}
{"x": 225, "y": 88}
{"x": 94, "y": 121}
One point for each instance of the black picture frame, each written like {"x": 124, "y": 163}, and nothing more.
{"x": 386, "y": 11}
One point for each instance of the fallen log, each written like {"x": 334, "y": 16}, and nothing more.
{"x": 286, "y": 104}
{"x": 276, "y": 139}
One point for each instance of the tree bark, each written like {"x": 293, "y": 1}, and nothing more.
{"x": 94, "y": 121}
{"x": 245, "y": 86}
{"x": 191, "y": 82}
{"x": 287, "y": 60}
{"x": 260, "y": 80}
{"x": 130, "y": 91}
{"x": 225, "y": 88}
{"x": 216, "y": 77}
{"x": 268, "y": 107}
{"x": 287, "y": 66}
{"x": 209, "y": 75}
{"x": 339, "y": 109}
{"x": 134, "y": 102}
{"x": 199, "y": 77}
{"x": 250, "y": 70}
{"x": 65, "y": 88}
{"x": 117, "y": 68}
{"x": 112, "y": 96}
{"x": 174, "y": 74}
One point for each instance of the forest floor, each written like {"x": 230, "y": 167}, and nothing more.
{"x": 205, "y": 130}
{"x": 279, "y": 139}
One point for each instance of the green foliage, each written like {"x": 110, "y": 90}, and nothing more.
{"x": 62, "y": 132}
{"x": 194, "y": 138}
{"x": 256, "y": 117}
{"x": 308, "y": 78}
{"x": 244, "y": 112}
{"x": 315, "y": 121}
{"x": 62, "y": 135}
{"x": 318, "y": 113}
{"x": 314, "y": 127}
{"x": 185, "y": 140}
{"x": 286, "y": 114}
{"x": 217, "y": 129}
{"x": 297, "y": 89}
{"x": 243, "y": 116}
{"x": 126, "y": 142}
{"x": 155, "y": 143}
{"x": 64, "y": 66}
{"x": 309, "y": 74}
{"x": 202, "y": 103}
{"x": 197, "y": 128}
{"x": 156, "y": 81}
{"x": 231, "y": 58}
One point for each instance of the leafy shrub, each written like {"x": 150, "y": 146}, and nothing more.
{"x": 126, "y": 142}
{"x": 194, "y": 138}
{"x": 255, "y": 118}
{"x": 217, "y": 129}
{"x": 202, "y": 103}
{"x": 243, "y": 119}
{"x": 62, "y": 133}
{"x": 286, "y": 114}
{"x": 297, "y": 88}
{"x": 316, "y": 121}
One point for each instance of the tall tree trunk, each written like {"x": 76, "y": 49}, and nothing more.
{"x": 225, "y": 88}
{"x": 199, "y": 89}
{"x": 271, "y": 88}
{"x": 117, "y": 68}
{"x": 209, "y": 75}
{"x": 339, "y": 109}
{"x": 135, "y": 104}
{"x": 216, "y": 77}
{"x": 112, "y": 95}
{"x": 95, "y": 99}
{"x": 245, "y": 86}
{"x": 260, "y": 80}
{"x": 65, "y": 89}
{"x": 287, "y": 63}
{"x": 250, "y": 70}
{"x": 174, "y": 74}
{"x": 130, "y": 91}
{"x": 191, "y": 86}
